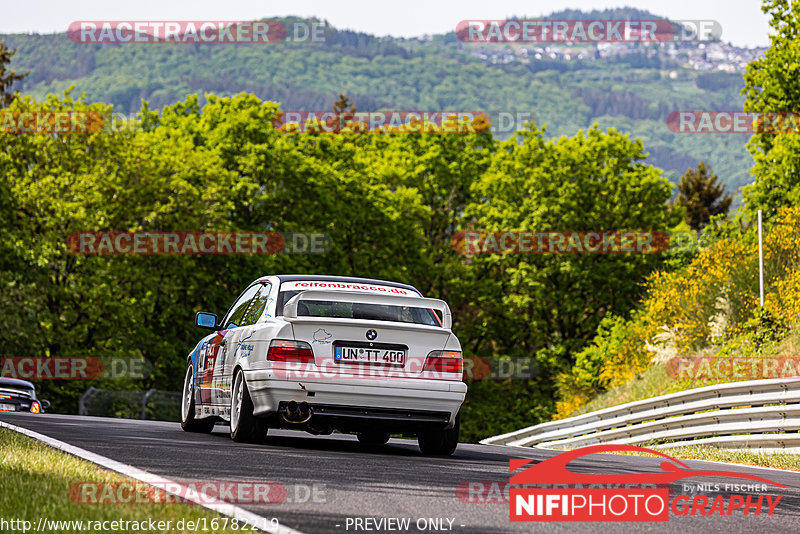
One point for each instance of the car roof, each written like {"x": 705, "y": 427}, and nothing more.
{"x": 15, "y": 382}
{"x": 350, "y": 279}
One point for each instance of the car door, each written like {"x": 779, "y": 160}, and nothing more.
{"x": 236, "y": 345}
{"x": 211, "y": 375}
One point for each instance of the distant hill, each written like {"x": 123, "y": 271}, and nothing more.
{"x": 632, "y": 87}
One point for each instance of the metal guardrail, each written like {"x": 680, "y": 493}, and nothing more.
{"x": 152, "y": 404}
{"x": 734, "y": 415}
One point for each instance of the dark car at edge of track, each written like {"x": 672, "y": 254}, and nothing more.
{"x": 20, "y": 396}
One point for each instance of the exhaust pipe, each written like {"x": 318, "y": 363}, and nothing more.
{"x": 305, "y": 411}
{"x": 296, "y": 413}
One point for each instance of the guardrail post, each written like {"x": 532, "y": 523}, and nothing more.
{"x": 144, "y": 401}
{"x": 82, "y": 402}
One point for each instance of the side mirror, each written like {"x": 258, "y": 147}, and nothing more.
{"x": 205, "y": 320}
{"x": 45, "y": 404}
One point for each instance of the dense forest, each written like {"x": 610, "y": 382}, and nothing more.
{"x": 390, "y": 202}
{"x": 634, "y": 91}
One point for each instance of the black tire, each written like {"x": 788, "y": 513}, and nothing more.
{"x": 188, "y": 421}
{"x": 440, "y": 441}
{"x": 245, "y": 427}
{"x": 373, "y": 438}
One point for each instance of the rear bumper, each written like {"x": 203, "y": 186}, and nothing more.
{"x": 13, "y": 405}
{"x": 390, "y": 401}
{"x": 383, "y": 415}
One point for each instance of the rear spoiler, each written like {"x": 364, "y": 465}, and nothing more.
{"x": 290, "y": 308}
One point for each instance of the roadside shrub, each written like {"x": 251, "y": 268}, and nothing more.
{"x": 710, "y": 303}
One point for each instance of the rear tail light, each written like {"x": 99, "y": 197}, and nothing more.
{"x": 444, "y": 361}
{"x": 284, "y": 350}
{"x": 36, "y": 407}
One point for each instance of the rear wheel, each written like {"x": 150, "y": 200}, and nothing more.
{"x": 188, "y": 421}
{"x": 373, "y": 437}
{"x": 439, "y": 441}
{"x": 245, "y": 427}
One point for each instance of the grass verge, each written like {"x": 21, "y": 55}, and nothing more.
{"x": 36, "y": 481}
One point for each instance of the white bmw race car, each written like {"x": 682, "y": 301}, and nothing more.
{"x": 324, "y": 353}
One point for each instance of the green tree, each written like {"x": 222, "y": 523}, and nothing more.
{"x": 56, "y": 303}
{"x": 551, "y": 304}
{"x": 343, "y": 105}
{"x": 702, "y": 196}
{"x": 772, "y": 84}
{"x": 7, "y": 76}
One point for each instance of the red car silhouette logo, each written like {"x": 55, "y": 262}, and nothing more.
{"x": 555, "y": 471}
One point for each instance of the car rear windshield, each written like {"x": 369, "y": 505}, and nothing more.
{"x": 358, "y": 310}
{"x": 20, "y": 391}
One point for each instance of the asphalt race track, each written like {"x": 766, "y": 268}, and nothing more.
{"x": 393, "y": 481}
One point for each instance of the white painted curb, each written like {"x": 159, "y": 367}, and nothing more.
{"x": 158, "y": 482}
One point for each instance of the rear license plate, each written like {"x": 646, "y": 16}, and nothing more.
{"x": 8, "y": 408}
{"x": 375, "y": 356}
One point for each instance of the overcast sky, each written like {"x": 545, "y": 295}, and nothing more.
{"x": 743, "y": 23}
